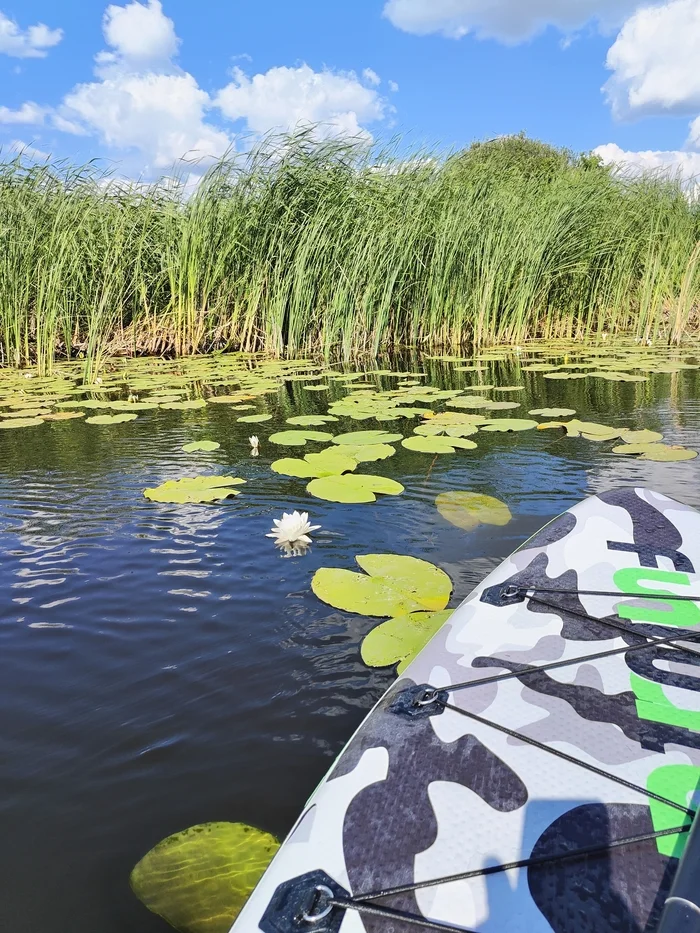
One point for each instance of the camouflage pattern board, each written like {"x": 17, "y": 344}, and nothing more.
{"x": 424, "y": 792}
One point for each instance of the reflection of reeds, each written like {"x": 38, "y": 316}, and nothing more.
{"x": 326, "y": 246}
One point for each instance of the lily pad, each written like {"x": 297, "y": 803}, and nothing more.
{"x": 333, "y": 462}
{"x": 641, "y": 437}
{"x": 662, "y": 453}
{"x": 194, "y": 489}
{"x": 316, "y": 388}
{"x": 468, "y": 510}
{"x": 436, "y": 445}
{"x": 184, "y": 406}
{"x": 509, "y": 424}
{"x": 306, "y": 421}
{"x": 199, "y": 879}
{"x": 365, "y": 453}
{"x": 353, "y": 488}
{"x": 297, "y": 438}
{"x": 64, "y": 415}
{"x": 111, "y": 419}
{"x": 360, "y": 438}
{"x": 552, "y": 412}
{"x": 254, "y": 419}
{"x": 392, "y": 585}
{"x": 201, "y": 445}
{"x": 402, "y": 638}
{"x": 21, "y": 423}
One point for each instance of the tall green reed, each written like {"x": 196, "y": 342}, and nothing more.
{"x": 327, "y": 246}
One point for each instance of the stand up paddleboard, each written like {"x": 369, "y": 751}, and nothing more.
{"x": 537, "y": 767}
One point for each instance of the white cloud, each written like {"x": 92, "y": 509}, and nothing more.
{"x": 142, "y": 101}
{"x": 284, "y": 98}
{"x": 371, "y": 77}
{"x": 393, "y": 87}
{"x": 32, "y": 42}
{"x": 507, "y": 20}
{"x": 141, "y": 36}
{"x": 29, "y": 113}
{"x": 686, "y": 164}
{"x": 655, "y": 61}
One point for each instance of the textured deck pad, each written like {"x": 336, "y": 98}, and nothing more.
{"x": 418, "y": 798}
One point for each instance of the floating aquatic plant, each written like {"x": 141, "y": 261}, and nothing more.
{"x": 195, "y": 489}
{"x": 199, "y": 879}
{"x": 200, "y": 445}
{"x": 468, "y": 510}
{"x": 351, "y": 487}
{"x": 293, "y": 529}
{"x": 298, "y": 438}
{"x": 392, "y": 585}
{"x": 332, "y": 462}
{"x": 400, "y": 639}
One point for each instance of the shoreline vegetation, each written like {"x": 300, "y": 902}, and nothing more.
{"x": 337, "y": 249}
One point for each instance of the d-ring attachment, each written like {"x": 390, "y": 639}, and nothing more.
{"x": 321, "y": 904}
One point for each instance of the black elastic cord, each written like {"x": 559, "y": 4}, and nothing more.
{"x": 542, "y": 589}
{"x": 563, "y": 755}
{"x": 523, "y": 863}
{"x": 553, "y": 665}
{"x": 387, "y": 913}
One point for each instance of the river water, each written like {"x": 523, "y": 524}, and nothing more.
{"x": 163, "y": 665}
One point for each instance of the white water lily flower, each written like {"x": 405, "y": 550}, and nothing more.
{"x": 254, "y": 442}
{"x": 293, "y": 528}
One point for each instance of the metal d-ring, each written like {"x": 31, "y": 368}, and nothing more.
{"x": 430, "y": 695}
{"x": 511, "y": 591}
{"x": 321, "y": 894}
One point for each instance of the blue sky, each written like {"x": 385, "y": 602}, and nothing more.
{"x": 141, "y": 83}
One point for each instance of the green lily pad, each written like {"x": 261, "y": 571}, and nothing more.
{"x": 402, "y": 638}
{"x": 111, "y": 419}
{"x": 194, "y": 489}
{"x": 353, "y": 488}
{"x": 184, "y": 406}
{"x": 199, "y": 879}
{"x": 468, "y": 510}
{"x": 253, "y": 419}
{"x": 360, "y": 438}
{"x": 201, "y": 445}
{"x": 316, "y": 388}
{"x": 436, "y": 445}
{"x": 21, "y": 423}
{"x": 26, "y": 413}
{"x": 134, "y": 406}
{"x": 392, "y": 585}
{"x": 365, "y": 453}
{"x": 64, "y": 415}
{"x": 469, "y": 401}
{"x": 662, "y": 453}
{"x": 553, "y": 412}
{"x": 641, "y": 437}
{"x": 297, "y": 438}
{"x": 333, "y": 462}
{"x": 306, "y": 421}
{"x": 510, "y": 389}
{"x": 509, "y": 424}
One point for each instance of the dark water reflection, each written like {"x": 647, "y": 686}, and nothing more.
{"x": 164, "y": 666}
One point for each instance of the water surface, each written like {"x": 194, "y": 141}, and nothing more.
{"x": 163, "y": 665}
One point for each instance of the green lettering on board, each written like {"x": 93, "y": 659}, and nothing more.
{"x": 677, "y": 783}
{"x": 653, "y": 704}
{"x": 672, "y": 612}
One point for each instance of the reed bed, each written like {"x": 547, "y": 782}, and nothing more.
{"x": 329, "y": 247}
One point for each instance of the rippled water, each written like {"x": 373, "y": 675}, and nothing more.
{"x": 163, "y": 665}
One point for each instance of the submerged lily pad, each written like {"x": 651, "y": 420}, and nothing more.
{"x": 254, "y": 419}
{"x": 392, "y": 585}
{"x": 297, "y": 438}
{"x": 468, "y": 510}
{"x": 195, "y": 489}
{"x": 306, "y": 421}
{"x": 332, "y": 462}
{"x": 509, "y": 424}
{"x": 436, "y": 445}
{"x": 662, "y": 453}
{"x": 199, "y": 879}
{"x": 201, "y": 445}
{"x": 360, "y": 438}
{"x": 353, "y": 487}
{"x": 111, "y": 419}
{"x": 402, "y": 638}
